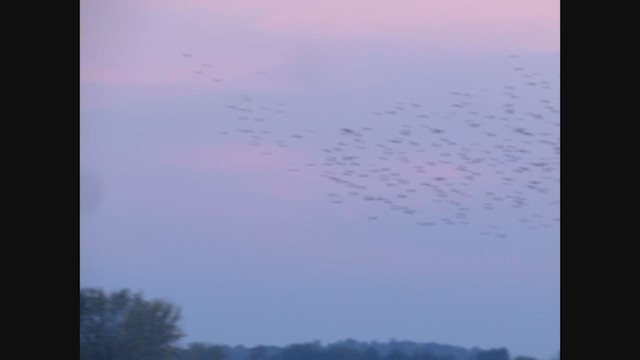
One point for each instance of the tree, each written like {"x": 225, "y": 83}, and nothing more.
{"x": 493, "y": 354}
{"x": 258, "y": 353}
{"x": 371, "y": 354}
{"x": 424, "y": 356}
{"x": 124, "y": 326}
{"x": 202, "y": 351}
{"x": 396, "y": 355}
{"x": 301, "y": 352}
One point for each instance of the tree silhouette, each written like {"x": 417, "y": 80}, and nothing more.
{"x": 493, "y": 354}
{"x": 124, "y": 326}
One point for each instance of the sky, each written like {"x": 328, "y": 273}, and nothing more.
{"x": 289, "y": 171}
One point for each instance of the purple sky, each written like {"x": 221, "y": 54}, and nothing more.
{"x": 216, "y": 172}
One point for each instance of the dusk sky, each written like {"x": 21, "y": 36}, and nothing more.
{"x": 288, "y": 171}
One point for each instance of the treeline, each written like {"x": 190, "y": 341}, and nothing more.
{"x": 343, "y": 350}
{"x": 122, "y": 325}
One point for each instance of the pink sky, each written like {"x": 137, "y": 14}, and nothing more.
{"x": 375, "y": 18}
{"x": 136, "y": 41}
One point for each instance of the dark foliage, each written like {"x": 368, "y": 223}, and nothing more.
{"x": 124, "y": 326}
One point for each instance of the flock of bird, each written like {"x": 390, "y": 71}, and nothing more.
{"x": 487, "y": 155}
